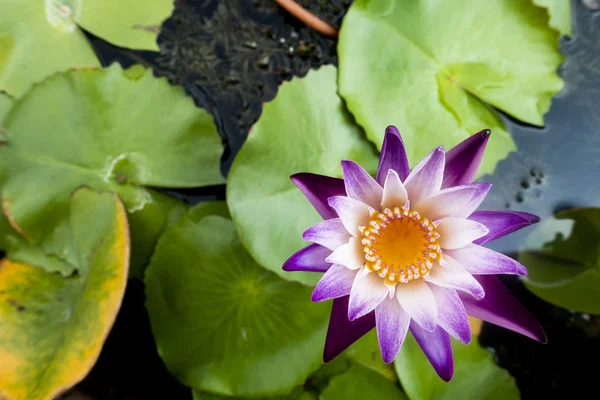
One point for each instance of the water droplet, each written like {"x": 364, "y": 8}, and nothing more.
{"x": 525, "y": 184}
{"x": 519, "y": 197}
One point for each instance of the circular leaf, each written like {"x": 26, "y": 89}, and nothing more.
{"x": 6, "y": 103}
{"x": 430, "y": 67}
{"x": 111, "y": 130}
{"x": 51, "y": 328}
{"x": 222, "y": 323}
{"x": 563, "y": 259}
{"x": 305, "y": 129}
{"x": 476, "y": 375}
{"x": 359, "y": 383}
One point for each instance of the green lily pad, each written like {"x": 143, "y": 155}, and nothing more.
{"x": 297, "y": 394}
{"x": 560, "y": 15}
{"x": 40, "y": 38}
{"x": 222, "y": 323}
{"x": 305, "y": 129}
{"x": 366, "y": 353}
{"x": 111, "y": 130}
{"x": 360, "y": 383}
{"x": 563, "y": 258}
{"x": 6, "y": 103}
{"x": 476, "y": 375}
{"x": 431, "y": 68}
{"x": 52, "y": 329}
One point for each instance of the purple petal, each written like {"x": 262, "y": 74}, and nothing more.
{"x": 478, "y": 197}
{"x": 342, "y": 332}
{"x": 393, "y": 156}
{"x": 462, "y": 161}
{"x": 317, "y": 189}
{"x": 500, "y": 307}
{"x": 329, "y": 233}
{"x": 394, "y": 192}
{"x": 437, "y": 348}
{"x": 456, "y": 233}
{"x": 446, "y": 203}
{"x": 501, "y": 223}
{"x": 426, "y": 179}
{"x": 452, "y": 315}
{"x": 360, "y": 185}
{"x": 417, "y": 300}
{"x": 392, "y": 325}
{"x": 336, "y": 282}
{"x": 368, "y": 291}
{"x": 310, "y": 259}
{"x": 454, "y": 276}
{"x": 353, "y": 213}
{"x": 479, "y": 260}
{"x": 350, "y": 255}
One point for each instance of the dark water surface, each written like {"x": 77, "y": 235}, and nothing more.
{"x": 231, "y": 56}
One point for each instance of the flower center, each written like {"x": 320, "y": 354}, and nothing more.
{"x": 400, "y": 245}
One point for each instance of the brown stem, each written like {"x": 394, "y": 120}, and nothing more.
{"x": 309, "y": 19}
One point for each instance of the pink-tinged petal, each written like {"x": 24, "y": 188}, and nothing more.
{"x": 353, "y": 213}
{"x": 479, "y": 260}
{"x": 416, "y": 299}
{"x": 350, "y": 255}
{"x": 437, "y": 348}
{"x": 454, "y": 276}
{"x": 501, "y": 223}
{"x": 446, "y": 203}
{"x": 360, "y": 185}
{"x": 456, "y": 233}
{"x": 500, "y": 307}
{"x": 329, "y": 233}
{"x": 393, "y": 156}
{"x": 478, "y": 197}
{"x": 394, "y": 192}
{"x": 392, "y": 325}
{"x": 452, "y": 315}
{"x": 426, "y": 179}
{"x": 310, "y": 259}
{"x": 317, "y": 189}
{"x": 334, "y": 283}
{"x": 342, "y": 332}
{"x": 462, "y": 161}
{"x": 368, "y": 291}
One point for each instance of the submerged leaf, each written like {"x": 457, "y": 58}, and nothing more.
{"x": 560, "y": 14}
{"x": 305, "y": 129}
{"x": 94, "y": 128}
{"x": 39, "y": 38}
{"x": 222, "y": 323}
{"x": 6, "y": 103}
{"x": 563, "y": 259}
{"x": 476, "y": 375}
{"x": 52, "y": 328}
{"x": 359, "y": 383}
{"x": 432, "y": 67}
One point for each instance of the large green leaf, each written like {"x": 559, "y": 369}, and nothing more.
{"x": 305, "y": 129}
{"x": 361, "y": 383}
{"x": 560, "y": 14}
{"x": 366, "y": 353}
{"x": 432, "y": 67}
{"x": 6, "y": 103}
{"x": 222, "y": 323}
{"x": 297, "y": 394}
{"x": 39, "y": 38}
{"x": 476, "y": 376}
{"x": 52, "y": 328}
{"x": 110, "y": 130}
{"x": 563, "y": 259}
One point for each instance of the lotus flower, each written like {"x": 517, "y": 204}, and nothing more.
{"x": 404, "y": 251}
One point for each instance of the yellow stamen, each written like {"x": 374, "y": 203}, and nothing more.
{"x": 400, "y": 245}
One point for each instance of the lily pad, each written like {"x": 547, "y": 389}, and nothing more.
{"x": 40, "y": 38}
{"x": 366, "y": 353}
{"x": 476, "y": 375}
{"x": 560, "y": 15}
{"x": 563, "y": 259}
{"x": 297, "y": 394}
{"x": 51, "y": 328}
{"x": 112, "y": 130}
{"x": 433, "y": 68}
{"x": 360, "y": 383}
{"x": 6, "y": 103}
{"x": 222, "y": 323}
{"x": 305, "y": 129}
